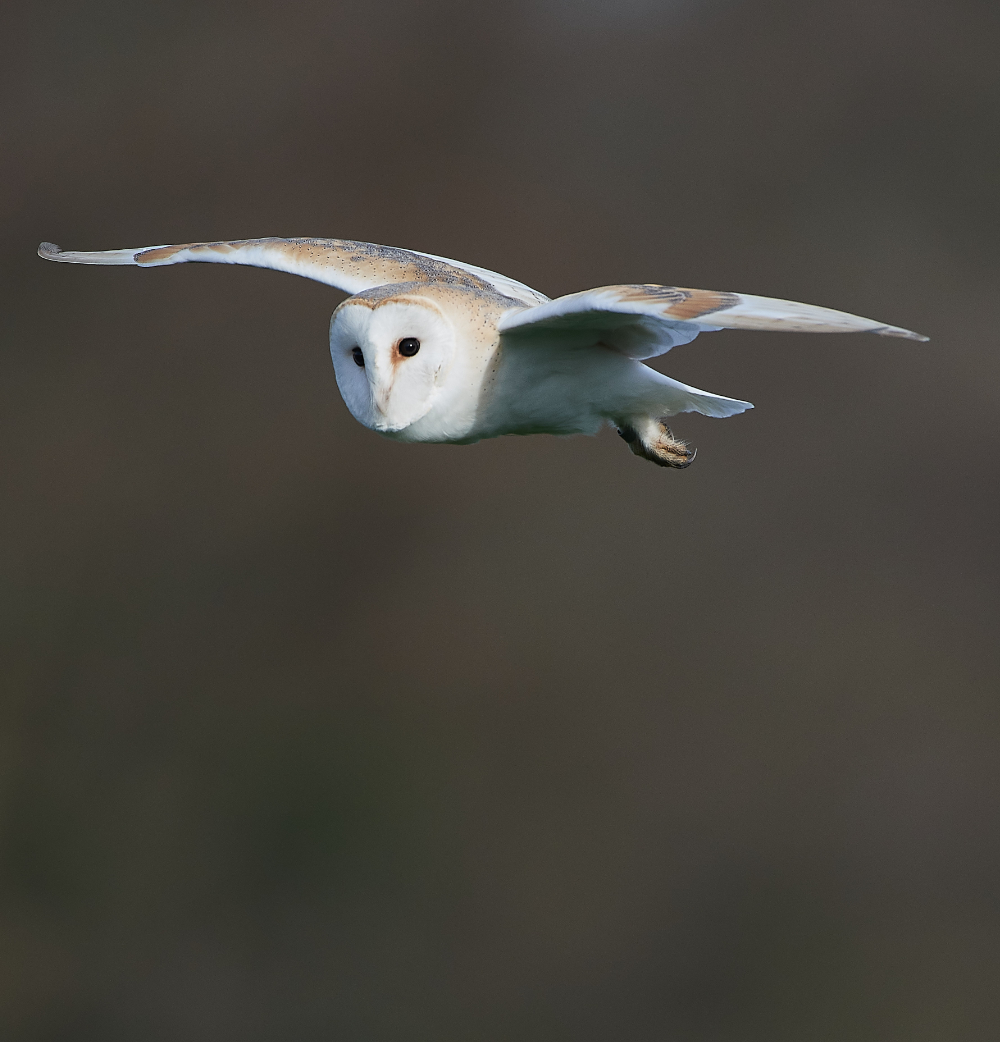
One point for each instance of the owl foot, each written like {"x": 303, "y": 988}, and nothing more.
{"x": 655, "y": 441}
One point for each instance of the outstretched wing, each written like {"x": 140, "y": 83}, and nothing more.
{"x": 643, "y": 321}
{"x": 350, "y": 266}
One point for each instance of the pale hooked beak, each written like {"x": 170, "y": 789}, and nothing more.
{"x": 380, "y": 399}
{"x": 380, "y": 388}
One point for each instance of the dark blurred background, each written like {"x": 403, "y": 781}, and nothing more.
{"x": 308, "y": 735}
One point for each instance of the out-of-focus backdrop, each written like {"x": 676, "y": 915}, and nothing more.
{"x": 310, "y": 736}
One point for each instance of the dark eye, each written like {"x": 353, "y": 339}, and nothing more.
{"x": 409, "y": 346}
{"x": 359, "y": 357}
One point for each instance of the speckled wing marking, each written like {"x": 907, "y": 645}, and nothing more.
{"x": 652, "y": 319}
{"x": 349, "y": 266}
{"x": 506, "y": 286}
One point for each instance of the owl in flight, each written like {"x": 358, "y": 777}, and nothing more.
{"x": 431, "y": 349}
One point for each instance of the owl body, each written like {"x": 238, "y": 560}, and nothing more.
{"x": 470, "y": 382}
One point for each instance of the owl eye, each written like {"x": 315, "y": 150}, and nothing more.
{"x": 358, "y": 355}
{"x": 409, "y": 346}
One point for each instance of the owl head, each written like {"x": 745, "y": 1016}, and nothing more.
{"x": 391, "y": 349}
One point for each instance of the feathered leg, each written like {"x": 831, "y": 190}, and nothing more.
{"x": 655, "y": 441}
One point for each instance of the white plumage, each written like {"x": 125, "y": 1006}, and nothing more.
{"x": 431, "y": 349}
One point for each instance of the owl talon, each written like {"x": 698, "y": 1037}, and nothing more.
{"x": 655, "y": 441}
{"x": 691, "y": 454}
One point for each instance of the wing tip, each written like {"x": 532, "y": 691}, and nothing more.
{"x": 50, "y": 251}
{"x": 898, "y": 331}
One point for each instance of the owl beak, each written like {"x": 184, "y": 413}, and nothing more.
{"x": 381, "y": 390}
{"x": 379, "y": 386}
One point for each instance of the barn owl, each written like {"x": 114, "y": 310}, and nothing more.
{"x": 427, "y": 349}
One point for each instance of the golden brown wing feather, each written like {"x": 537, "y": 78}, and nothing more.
{"x": 347, "y": 265}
